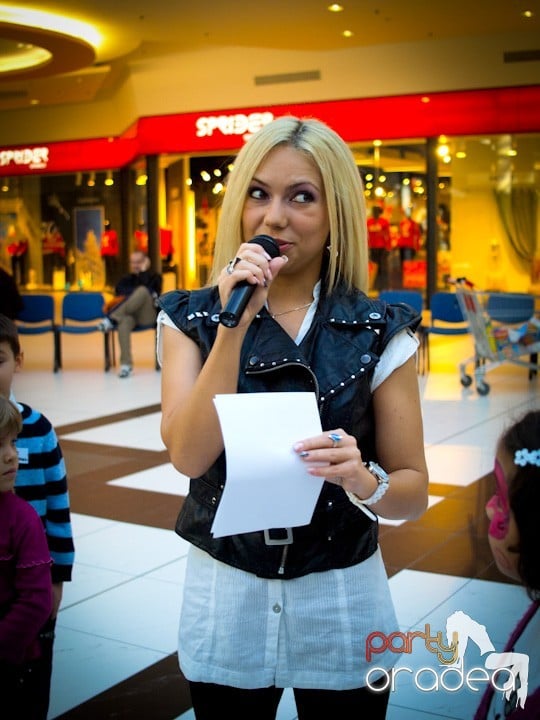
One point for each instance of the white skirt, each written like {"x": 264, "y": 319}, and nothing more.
{"x": 248, "y": 632}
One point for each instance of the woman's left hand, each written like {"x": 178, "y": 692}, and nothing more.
{"x": 335, "y": 456}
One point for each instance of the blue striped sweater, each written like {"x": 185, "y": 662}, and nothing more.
{"x": 41, "y": 480}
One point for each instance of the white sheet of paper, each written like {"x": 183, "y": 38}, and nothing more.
{"x": 267, "y": 483}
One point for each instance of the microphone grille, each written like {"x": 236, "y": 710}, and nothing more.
{"x": 268, "y": 243}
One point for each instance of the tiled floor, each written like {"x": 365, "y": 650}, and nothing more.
{"x": 115, "y": 648}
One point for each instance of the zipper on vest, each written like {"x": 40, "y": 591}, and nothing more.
{"x": 281, "y": 570}
{"x": 257, "y": 371}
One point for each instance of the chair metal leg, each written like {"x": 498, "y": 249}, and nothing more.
{"x": 534, "y": 362}
{"x": 107, "y": 350}
{"x": 57, "y": 353}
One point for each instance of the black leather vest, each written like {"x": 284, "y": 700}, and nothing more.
{"x": 335, "y": 361}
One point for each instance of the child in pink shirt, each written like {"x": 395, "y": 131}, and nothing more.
{"x": 25, "y": 574}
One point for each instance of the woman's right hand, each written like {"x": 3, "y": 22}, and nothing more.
{"x": 255, "y": 266}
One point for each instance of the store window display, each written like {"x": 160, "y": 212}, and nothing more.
{"x": 380, "y": 244}
{"x": 18, "y": 253}
{"x": 54, "y": 251}
{"x": 109, "y": 252}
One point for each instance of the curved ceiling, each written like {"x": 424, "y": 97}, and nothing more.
{"x": 28, "y": 52}
{"x": 70, "y": 51}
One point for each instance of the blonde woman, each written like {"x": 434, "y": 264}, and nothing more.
{"x": 293, "y": 607}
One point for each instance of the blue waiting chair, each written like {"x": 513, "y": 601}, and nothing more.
{"x": 37, "y": 317}
{"x": 446, "y": 318}
{"x": 82, "y": 313}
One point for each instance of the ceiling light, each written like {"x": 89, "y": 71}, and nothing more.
{"x": 347, "y": 33}
{"x": 109, "y": 180}
{"x": 43, "y": 44}
{"x": 18, "y": 56}
{"x": 91, "y": 179}
{"x": 41, "y": 20}
{"x": 335, "y": 7}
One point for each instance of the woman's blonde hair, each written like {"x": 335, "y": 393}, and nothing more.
{"x": 348, "y": 249}
{"x": 10, "y": 418}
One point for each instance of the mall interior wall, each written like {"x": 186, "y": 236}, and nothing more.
{"x": 225, "y": 78}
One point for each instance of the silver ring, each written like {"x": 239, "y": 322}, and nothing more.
{"x": 231, "y": 264}
{"x": 335, "y": 438}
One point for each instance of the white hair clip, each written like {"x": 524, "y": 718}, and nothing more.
{"x": 527, "y": 457}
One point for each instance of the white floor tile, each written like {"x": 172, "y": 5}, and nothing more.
{"x": 432, "y": 500}
{"x": 86, "y": 665}
{"x": 162, "y": 478}
{"x": 131, "y": 549}
{"x": 142, "y": 612}
{"x": 416, "y": 594}
{"x": 173, "y": 572}
{"x": 454, "y": 464}
{"x": 89, "y": 581}
{"x": 87, "y": 524}
{"x": 74, "y": 396}
{"x": 140, "y": 433}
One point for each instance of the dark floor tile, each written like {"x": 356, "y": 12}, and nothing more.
{"x": 403, "y": 545}
{"x": 90, "y": 469}
{"x": 464, "y": 554}
{"x": 159, "y": 692}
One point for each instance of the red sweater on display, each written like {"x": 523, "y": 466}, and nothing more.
{"x": 379, "y": 233}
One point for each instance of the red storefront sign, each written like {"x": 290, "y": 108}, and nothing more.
{"x": 492, "y": 111}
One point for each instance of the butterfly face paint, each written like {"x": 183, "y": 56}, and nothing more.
{"x": 499, "y": 507}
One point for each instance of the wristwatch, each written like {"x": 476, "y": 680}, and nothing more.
{"x": 383, "y": 482}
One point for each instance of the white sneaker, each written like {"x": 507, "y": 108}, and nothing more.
{"x": 106, "y": 325}
{"x": 125, "y": 371}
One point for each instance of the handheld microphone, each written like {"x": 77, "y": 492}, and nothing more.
{"x": 241, "y": 293}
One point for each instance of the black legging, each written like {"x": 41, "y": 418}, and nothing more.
{"x": 212, "y": 701}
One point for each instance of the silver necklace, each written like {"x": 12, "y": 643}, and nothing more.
{"x": 285, "y": 312}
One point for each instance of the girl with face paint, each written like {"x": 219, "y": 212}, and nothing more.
{"x": 514, "y": 538}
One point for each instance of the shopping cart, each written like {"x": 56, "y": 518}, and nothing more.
{"x": 505, "y": 329}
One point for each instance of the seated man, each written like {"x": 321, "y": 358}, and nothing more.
{"x": 134, "y": 304}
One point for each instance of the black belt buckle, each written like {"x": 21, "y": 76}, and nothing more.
{"x": 281, "y": 536}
